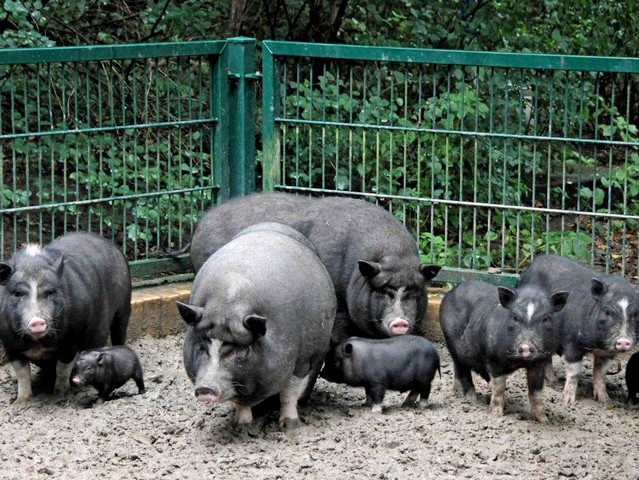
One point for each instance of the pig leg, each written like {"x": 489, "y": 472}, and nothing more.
{"x": 288, "y": 401}
{"x": 599, "y": 370}
{"x": 62, "y": 374}
{"x": 375, "y": 397}
{"x": 573, "y": 370}
{"x": 411, "y": 399}
{"x": 535, "y": 377}
{"x": 549, "y": 372}
{"x": 22, "y": 369}
{"x": 243, "y": 415}
{"x": 497, "y": 398}
{"x": 464, "y": 382}
{"x": 424, "y": 395}
{"x": 139, "y": 381}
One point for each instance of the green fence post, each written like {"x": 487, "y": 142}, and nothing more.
{"x": 242, "y": 76}
{"x": 270, "y": 140}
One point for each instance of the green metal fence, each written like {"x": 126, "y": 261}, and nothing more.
{"x": 488, "y": 158}
{"x": 132, "y": 142}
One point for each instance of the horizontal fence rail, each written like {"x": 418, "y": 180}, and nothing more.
{"x": 127, "y": 141}
{"x": 488, "y": 158}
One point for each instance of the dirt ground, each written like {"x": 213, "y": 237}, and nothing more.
{"x": 165, "y": 433}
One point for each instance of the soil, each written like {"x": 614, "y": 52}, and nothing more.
{"x": 165, "y": 433}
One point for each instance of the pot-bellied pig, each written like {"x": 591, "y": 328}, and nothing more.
{"x": 58, "y": 300}
{"x": 632, "y": 378}
{"x": 495, "y": 331}
{"x": 259, "y": 321}
{"x": 372, "y": 259}
{"x": 107, "y": 368}
{"x": 403, "y": 363}
{"x": 600, "y": 317}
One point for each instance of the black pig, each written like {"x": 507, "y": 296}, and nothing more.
{"x": 601, "y": 317}
{"x": 372, "y": 259}
{"x": 495, "y": 331}
{"x": 407, "y": 362}
{"x": 107, "y": 368}
{"x": 632, "y": 378}
{"x": 58, "y": 300}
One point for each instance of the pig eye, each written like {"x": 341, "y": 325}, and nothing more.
{"x": 546, "y": 319}
{"x": 514, "y": 317}
{"x": 48, "y": 293}
{"x": 19, "y": 294}
{"x": 228, "y": 348}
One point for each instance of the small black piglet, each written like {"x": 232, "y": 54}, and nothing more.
{"x": 107, "y": 368}
{"x": 401, "y": 363}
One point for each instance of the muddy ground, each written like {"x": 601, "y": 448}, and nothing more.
{"x": 165, "y": 433}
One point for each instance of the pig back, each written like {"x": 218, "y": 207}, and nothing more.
{"x": 221, "y": 224}
{"x": 96, "y": 283}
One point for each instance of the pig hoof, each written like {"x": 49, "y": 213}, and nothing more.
{"x": 377, "y": 409}
{"x": 289, "y": 423}
{"x": 541, "y": 418}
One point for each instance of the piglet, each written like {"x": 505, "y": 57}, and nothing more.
{"x": 402, "y": 363}
{"x": 107, "y": 368}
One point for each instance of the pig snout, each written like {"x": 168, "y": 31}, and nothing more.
{"x": 399, "y": 326}
{"x": 207, "y": 394}
{"x": 623, "y": 344}
{"x": 37, "y": 325}
{"x": 526, "y": 350}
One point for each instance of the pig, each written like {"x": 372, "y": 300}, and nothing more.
{"x": 372, "y": 259}
{"x": 259, "y": 322}
{"x": 600, "y": 317}
{"x": 107, "y": 368}
{"x": 632, "y": 378}
{"x": 58, "y": 300}
{"x": 402, "y": 363}
{"x": 495, "y": 331}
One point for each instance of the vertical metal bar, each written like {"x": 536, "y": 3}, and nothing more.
{"x": 219, "y": 92}
{"x": 241, "y": 57}
{"x": 270, "y": 104}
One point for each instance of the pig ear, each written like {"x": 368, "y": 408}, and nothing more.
{"x": 255, "y": 324}
{"x": 506, "y": 297}
{"x": 558, "y": 301}
{"x": 429, "y": 271}
{"x": 190, "y": 313}
{"x": 58, "y": 261}
{"x": 368, "y": 269}
{"x": 6, "y": 271}
{"x": 348, "y": 349}
{"x": 598, "y": 288}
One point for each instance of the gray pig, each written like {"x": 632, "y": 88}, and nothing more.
{"x": 58, "y": 300}
{"x": 372, "y": 259}
{"x": 259, "y": 321}
{"x": 106, "y": 369}
{"x": 407, "y": 362}
{"x": 601, "y": 317}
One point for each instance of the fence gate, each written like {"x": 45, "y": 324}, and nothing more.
{"x": 488, "y": 158}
